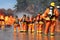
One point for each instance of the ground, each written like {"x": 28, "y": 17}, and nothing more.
{"x": 8, "y": 34}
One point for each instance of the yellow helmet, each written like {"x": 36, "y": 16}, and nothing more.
{"x": 52, "y": 4}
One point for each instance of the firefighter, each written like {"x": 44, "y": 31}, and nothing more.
{"x": 2, "y": 21}
{"x": 31, "y": 24}
{"x": 27, "y": 20}
{"x": 58, "y": 21}
{"x": 37, "y": 21}
{"x": 6, "y": 20}
{"x": 41, "y": 23}
{"x": 16, "y": 24}
{"x": 24, "y": 23}
{"x": 50, "y": 16}
{"x": 11, "y": 20}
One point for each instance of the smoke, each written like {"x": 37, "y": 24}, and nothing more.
{"x": 20, "y": 14}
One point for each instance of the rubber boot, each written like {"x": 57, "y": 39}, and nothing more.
{"x": 52, "y": 37}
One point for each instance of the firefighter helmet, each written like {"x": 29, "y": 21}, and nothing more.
{"x": 52, "y": 3}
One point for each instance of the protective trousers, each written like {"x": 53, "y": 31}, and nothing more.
{"x": 2, "y": 25}
{"x": 24, "y": 25}
{"x": 31, "y": 27}
{"x": 39, "y": 26}
{"x": 50, "y": 25}
{"x": 16, "y": 27}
